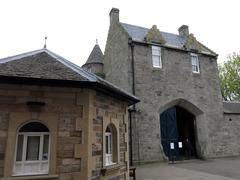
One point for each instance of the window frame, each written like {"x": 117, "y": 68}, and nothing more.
{"x": 110, "y": 146}
{"x": 197, "y": 65}
{"x": 40, "y": 162}
{"x": 109, "y": 149}
{"x": 156, "y": 53}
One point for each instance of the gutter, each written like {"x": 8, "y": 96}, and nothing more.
{"x": 174, "y": 48}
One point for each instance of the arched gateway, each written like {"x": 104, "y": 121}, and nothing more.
{"x": 178, "y": 129}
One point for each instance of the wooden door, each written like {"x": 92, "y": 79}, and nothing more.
{"x": 169, "y": 132}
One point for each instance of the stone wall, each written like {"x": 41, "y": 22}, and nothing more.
{"x": 117, "y": 57}
{"x": 59, "y": 113}
{"x": 75, "y": 118}
{"x": 159, "y": 88}
{"x": 107, "y": 111}
{"x": 3, "y": 139}
{"x": 229, "y": 136}
{"x": 68, "y": 137}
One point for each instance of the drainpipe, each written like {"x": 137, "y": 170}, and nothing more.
{"x": 133, "y": 109}
{"x": 130, "y": 128}
{"x": 130, "y": 42}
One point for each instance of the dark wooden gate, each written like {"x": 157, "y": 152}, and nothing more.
{"x": 169, "y": 132}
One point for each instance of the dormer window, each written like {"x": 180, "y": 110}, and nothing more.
{"x": 195, "y": 63}
{"x": 156, "y": 57}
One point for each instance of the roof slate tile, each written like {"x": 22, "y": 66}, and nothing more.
{"x": 44, "y": 64}
{"x": 138, "y": 33}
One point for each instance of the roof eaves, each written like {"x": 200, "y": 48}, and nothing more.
{"x": 175, "y": 47}
{"x": 116, "y": 92}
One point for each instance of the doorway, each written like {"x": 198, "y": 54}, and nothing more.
{"x": 178, "y": 133}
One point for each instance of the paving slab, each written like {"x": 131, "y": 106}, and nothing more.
{"x": 215, "y": 169}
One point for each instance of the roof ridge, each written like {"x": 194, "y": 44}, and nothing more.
{"x": 134, "y": 25}
{"x": 22, "y": 55}
{"x": 149, "y": 29}
{"x": 72, "y": 66}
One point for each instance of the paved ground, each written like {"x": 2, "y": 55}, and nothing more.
{"x": 217, "y": 169}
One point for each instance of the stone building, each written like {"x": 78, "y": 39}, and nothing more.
{"x": 176, "y": 78}
{"x": 58, "y": 121}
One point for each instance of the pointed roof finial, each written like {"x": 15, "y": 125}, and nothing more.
{"x": 45, "y": 44}
{"x": 96, "y": 41}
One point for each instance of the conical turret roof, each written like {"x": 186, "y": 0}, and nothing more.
{"x": 96, "y": 55}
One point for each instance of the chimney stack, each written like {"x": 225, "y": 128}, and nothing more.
{"x": 114, "y": 15}
{"x": 183, "y": 31}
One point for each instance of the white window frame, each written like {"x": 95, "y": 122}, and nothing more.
{"x": 193, "y": 64}
{"x": 109, "y": 148}
{"x": 156, "y": 55}
{"x": 28, "y": 164}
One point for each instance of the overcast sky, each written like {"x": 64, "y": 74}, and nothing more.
{"x": 72, "y": 26}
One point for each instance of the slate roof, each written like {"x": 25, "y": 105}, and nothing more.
{"x": 45, "y": 65}
{"x": 231, "y": 107}
{"x": 138, "y": 33}
{"x": 96, "y": 56}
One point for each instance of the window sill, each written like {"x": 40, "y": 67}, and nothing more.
{"x": 196, "y": 73}
{"x": 156, "y": 68}
{"x": 35, "y": 177}
{"x": 110, "y": 168}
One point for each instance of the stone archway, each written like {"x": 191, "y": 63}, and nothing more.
{"x": 178, "y": 124}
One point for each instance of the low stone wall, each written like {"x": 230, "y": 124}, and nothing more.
{"x": 230, "y": 135}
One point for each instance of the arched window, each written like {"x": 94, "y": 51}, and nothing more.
{"x": 110, "y": 145}
{"x": 32, "y": 150}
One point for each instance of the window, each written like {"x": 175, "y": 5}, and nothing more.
{"x": 110, "y": 145}
{"x": 108, "y": 135}
{"x": 195, "y": 63}
{"x": 156, "y": 57}
{"x": 32, "y": 150}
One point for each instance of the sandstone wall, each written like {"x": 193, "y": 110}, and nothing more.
{"x": 75, "y": 118}
{"x": 110, "y": 110}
